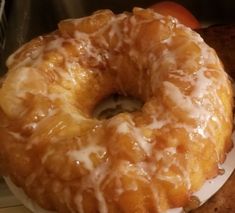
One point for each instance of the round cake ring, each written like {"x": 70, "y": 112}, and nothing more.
{"x": 170, "y": 97}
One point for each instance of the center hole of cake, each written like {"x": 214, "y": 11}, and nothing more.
{"x": 116, "y": 104}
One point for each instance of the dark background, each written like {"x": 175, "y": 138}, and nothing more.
{"x": 29, "y": 18}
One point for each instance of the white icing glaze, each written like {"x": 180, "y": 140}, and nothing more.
{"x": 83, "y": 155}
{"x": 94, "y": 180}
{"x": 202, "y": 84}
{"x": 124, "y": 127}
{"x": 182, "y": 101}
{"x": 143, "y": 142}
{"x": 16, "y": 135}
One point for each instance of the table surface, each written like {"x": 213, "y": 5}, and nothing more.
{"x": 8, "y": 203}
